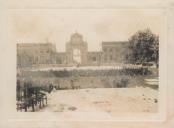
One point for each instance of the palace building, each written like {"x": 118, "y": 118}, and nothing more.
{"x": 76, "y": 53}
{"x": 115, "y": 52}
{"x": 29, "y": 54}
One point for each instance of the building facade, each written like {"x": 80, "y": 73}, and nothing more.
{"x": 94, "y": 58}
{"x": 76, "y": 50}
{"x": 76, "y": 53}
{"x": 29, "y": 54}
{"x": 115, "y": 52}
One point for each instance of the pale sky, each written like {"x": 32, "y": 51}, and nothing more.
{"x": 96, "y": 25}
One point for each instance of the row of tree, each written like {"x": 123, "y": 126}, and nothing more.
{"x": 144, "y": 47}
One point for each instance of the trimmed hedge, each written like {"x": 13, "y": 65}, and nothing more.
{"x": 75, "y": 72}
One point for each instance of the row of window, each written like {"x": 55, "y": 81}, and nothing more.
{"x": 109, "y": 49}
{"x": 110, "y": 57}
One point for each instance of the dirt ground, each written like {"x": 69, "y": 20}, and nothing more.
{"x": 109, "y": 100}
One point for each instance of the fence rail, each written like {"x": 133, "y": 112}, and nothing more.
{"x": 29, "y": 96}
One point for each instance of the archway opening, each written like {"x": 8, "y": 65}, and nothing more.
{"x": 77, "y": 56}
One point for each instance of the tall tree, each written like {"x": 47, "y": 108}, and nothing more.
{"x": 144, "y": 47}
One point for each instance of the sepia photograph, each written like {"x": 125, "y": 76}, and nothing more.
{"x": 86, "y": 64}
{"x": 88, "y": 60}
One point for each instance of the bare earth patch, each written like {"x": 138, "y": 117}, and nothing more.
{"x": 109, "y": 100}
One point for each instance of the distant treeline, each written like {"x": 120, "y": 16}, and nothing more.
{"x": 75, "y": 72}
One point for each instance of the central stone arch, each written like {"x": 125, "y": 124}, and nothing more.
{"x": 77, "y": 56}
{"x": 76, "y": 50}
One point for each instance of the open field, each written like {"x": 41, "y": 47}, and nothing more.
{"x": 110, "y": 100}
